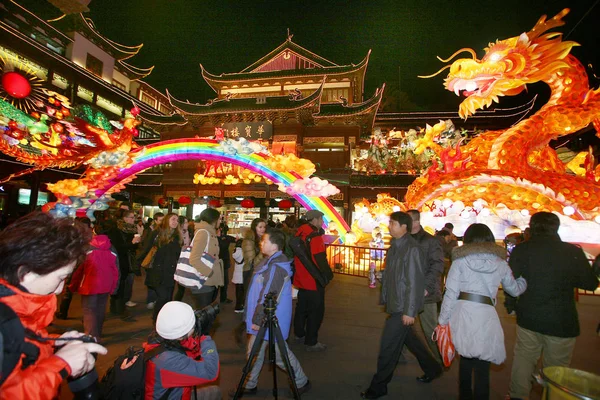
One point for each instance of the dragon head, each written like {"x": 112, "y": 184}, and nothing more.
{"x": 507, "y": 66}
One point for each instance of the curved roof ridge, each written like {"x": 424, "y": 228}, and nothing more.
{"x": 139, "y": 72}
{"x": 117, "y": 45}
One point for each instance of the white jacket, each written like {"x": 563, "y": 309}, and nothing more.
{"x": 478, "y": 268}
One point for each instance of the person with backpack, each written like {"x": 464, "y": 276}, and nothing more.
{"x": 310, "y": 308}
{"x": 37, "y": 254}
{"x": 95, "y": 280}
{"x": 184, "y": 358}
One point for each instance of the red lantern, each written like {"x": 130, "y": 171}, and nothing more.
{"x": 184, "y": 200}
{"x": 162, "y": 202}
{"x": 247, "y": 203}
{"x": 285, "y": 204}
{"x": 16, "y": 85}
{"x": 214, "y": 203}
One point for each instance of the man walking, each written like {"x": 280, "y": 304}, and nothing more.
{"x": 434, "y": 268}
{"x": 402, "y": 289}
{"x": 310, "y": 308}
{"x": 547, "y": 320}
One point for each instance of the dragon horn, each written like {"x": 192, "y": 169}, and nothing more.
{"x": 542, "y": 25}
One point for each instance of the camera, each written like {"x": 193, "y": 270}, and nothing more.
{"x": 205, "y": 318}
{"x": 86, "y": 386}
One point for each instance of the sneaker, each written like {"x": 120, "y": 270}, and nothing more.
{"x": 130, "y": 304}
{"x": 226, "y": 301}
{"x": 317, "y": 347}
{"x": 150, "y": 306}
{"x": 245, "y": 392}
{"x": 370, "y": 394}
{"x": 305, "y": 388}
{"x": 238, "y": 310}
{"x": 299, "y": 339}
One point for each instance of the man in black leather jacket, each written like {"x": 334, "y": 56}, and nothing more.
{"x": 402, "y": 293}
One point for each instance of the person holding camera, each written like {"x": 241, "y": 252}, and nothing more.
{"x": 188, "y": 358}
{"x": 272, "y": 274}
{"x": 37, "y": 254}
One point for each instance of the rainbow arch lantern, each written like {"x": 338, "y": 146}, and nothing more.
{"x": 214, "y": 150}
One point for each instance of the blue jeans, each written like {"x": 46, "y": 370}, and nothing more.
{"x": 94, "y": 310}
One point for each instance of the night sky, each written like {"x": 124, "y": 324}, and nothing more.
{"x": 404, "y": 35}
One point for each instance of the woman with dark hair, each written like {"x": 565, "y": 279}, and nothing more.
{"x": 251, "y": 251}
{"x": 125, "y": 238}
{"x": 37, "y": 254}
{"x": 168, "y": 242}
{"x": 206, "y": 242}
{"x": 478, "y": 268}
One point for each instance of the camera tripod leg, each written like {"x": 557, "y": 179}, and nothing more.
{"x": 285, "y": 358}
{"x": 253, "y": 353}
{"x": 273, "y": 354}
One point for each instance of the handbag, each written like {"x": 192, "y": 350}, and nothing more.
{"x": 147, "y": 261}
{"x": 188, "y": 276}
{"x": 443, "y": 337}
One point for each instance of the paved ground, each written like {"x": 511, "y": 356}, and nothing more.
{"x": 352, "y": 329}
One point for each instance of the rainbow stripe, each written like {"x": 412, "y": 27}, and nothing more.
{"x": 209, "y": 149}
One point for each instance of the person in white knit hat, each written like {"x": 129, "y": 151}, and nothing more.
{"x": 170, "y": 373}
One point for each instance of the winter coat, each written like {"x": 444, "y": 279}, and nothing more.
{"x": 99, "y": 274}
{"x": 121, "y": 237}
{"x": 252, "y": 254}
{"x": 205, "y": 233}
{"x": 164, "y": 263}
{"x": 42, "y": 380}
{"x": 403, "y": 281}
{"x": 302, "y": 278}
{"x": 174, "y": 369}
{"x": 271, "y": 275}
{"x": 434, "y": 268}
{"x": 478, "y": 268}
{"x": 553, "y": 270}
{"x": 224, "y": 242}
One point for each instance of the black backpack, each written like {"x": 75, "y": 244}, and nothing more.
{"x": 12, "y": 340}
{"x": 301, "y": 250}
{"x": 126, "y": 379}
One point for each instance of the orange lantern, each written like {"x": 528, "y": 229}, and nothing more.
{"x": 162, "y": 202}
{"x": 247, "y": 203}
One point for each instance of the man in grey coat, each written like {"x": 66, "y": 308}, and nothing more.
{"x": 403, "y": 285}
{"x": 434, "y": 268}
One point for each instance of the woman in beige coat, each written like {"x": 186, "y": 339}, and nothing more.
{"x": 205, "y": 241}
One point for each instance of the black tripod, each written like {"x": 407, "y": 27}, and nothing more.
{"x": 270, "y": 322}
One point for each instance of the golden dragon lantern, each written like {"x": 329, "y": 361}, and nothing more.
{"x": 516, "y": 166}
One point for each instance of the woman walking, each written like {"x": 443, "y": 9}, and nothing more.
{"x": 168, "y": 247}
{"x": 478, "y": 268}
{"x": 206, "y": 242}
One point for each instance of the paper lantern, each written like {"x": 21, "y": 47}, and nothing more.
{"x": 247, "y": 203}
{"x": 285, "y": 204}
{"x": 16, "y": 85}
{"x": 162, "y": 202}
{"x": 184, "y": 200}
{"x": 214, "y": 203}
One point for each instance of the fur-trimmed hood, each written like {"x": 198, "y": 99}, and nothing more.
{"x": 480, "y": 257}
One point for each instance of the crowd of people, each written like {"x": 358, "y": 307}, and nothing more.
{"x": 39, "y": 255}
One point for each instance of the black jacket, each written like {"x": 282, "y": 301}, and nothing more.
{"x": 403, "y": 282}
{"x": 164, "y": 262}
{"x": 553, "y": 270}
{"x": 125, "y": 249}
{"x": 434, "y": 267}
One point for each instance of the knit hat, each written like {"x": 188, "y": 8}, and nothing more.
{"x": 175, "y": 320}
{"x": 312, "y": 214}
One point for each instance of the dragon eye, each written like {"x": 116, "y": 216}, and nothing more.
{"x": 495, "y": 57}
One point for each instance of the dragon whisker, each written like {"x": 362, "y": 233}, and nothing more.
{"x": 467, "y": 49}
{"x": 437, "y": 73}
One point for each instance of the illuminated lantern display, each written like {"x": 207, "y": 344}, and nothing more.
{"x": 214, "y": 203}
{"x": 16, "y": 85}
{"x": 162, "y": 202}
{"x": 247, "y": 203}
{"x": 184, "y": 200}
{"x": 285, "y": 204}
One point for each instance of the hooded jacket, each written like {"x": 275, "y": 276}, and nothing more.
{"x": 99, "y": 273}
{"x": 42, "y": 380}
{"x": 434, "y": 268}
{"x": 271, "y": 275}
{"x": 553, "y": 270}
{"x": 181, "y": 372}
{"x": 403, "y": 282}
{"x": 478, "y": 268}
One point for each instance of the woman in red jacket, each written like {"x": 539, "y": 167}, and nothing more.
{"x": 95, "y": 280}
{"x": 37, "y": 253}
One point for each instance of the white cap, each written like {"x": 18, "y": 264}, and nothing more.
{"x": 175, "y": 320}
